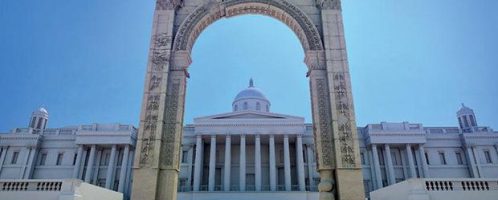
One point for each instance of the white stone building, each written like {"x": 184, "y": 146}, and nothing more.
{"x": 277, "y": 152}
{"x": 100, "y": 154}
{"x": 250, "y": 153}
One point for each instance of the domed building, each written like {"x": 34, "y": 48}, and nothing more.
{"x": 249, "y": 150}
{"x": 253, "y": 153}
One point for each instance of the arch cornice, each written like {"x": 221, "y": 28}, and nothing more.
{"x": 282, "y": 10}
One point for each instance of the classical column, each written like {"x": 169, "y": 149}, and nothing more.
{"x": 190, "y": 167}
{"x": 402, "y": 155}
{"x": 273, "y": 168}
{"x": 309, "y": 154}
{"x": 257, "y": 162}
{"x": 411, "y": 162}
{"x": 471, "y": 162}
{"x": 423, "y": 160}
{"x": 89, "y": 166}
{"x": 212, "y": 163}
{"x": 228, "y": 160}
{"x": 378, "y": 177}
{"x": 372, "y": 171}
{"x": 242, "y": 175}
{"x": 287, "y": 164}
{"x": 198, "y": 163}
{"x": 22, "y": 174}
{"x": 77, "y": 164}
{"x": 478, "y": 162}
{"x": 31, "y": 162}
{"x": 124, "y": 166}
{"x": 110, "y": 168}
{"x": 389, "y": 165}
{"x": 128, "y": 173}
{"x": 2, "y": 157}
{"x": 97, "y": 167}
{"x": 300, "y": 163}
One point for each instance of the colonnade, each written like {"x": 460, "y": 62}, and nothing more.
{"x": 198, "y": 165}
{"x": 93, "y": 165}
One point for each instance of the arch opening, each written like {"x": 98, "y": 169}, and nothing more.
{"x": 286, "y": 13}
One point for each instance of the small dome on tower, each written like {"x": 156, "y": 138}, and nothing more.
{"x": 464, "y": 110}
{"x": 43, "y": 110}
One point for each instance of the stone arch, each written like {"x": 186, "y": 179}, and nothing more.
{"x": 176, "y": 26}
{"x": 281, "y": 10}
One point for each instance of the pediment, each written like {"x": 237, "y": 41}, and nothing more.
{"x": 250, "y": 115}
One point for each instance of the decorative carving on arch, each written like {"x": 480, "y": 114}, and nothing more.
{"x": 329, "y": 4}
{"x": 168, "y": 4}
{"x": 282, "y": 10}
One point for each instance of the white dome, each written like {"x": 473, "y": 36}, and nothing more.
{"x": 251, "y": 98}
{"x": 250, "y": 93}
{"x": 43, "y": 110}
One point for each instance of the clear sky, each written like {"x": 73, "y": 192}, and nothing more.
{"x": 410, "y": 61}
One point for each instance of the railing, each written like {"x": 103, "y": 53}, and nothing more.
{"x": 460, "y": 185}
{"x": 31, "y": 186}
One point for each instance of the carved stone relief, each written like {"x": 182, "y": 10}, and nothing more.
{"x": 346, "y": 140}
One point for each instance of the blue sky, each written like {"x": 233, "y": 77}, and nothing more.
{"x": 410, "y": 61}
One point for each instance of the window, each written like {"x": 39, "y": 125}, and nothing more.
{"x": 245, "y": 105}
{"x": 43, "y": 158}
{"x": 258, "y": 106}
{"x": 235, "y": 108}
{"x": 460, "y": 121}
{"x": 427, "y": 158}
{"x": 394, "y": 158}
{"x": 106, "y": 159}
{"x": 442, "y": 158}
{"x": 472, "y": 120}
{"x": 59, "y": 158}
{"x": 15, "y": 155}
{"x": 267, "y": 108}
{"x": 466, "y": 121}
{"x": 459, "y": 158}
{"x": 184, "y": 156}
{"x": 487, "y": 155}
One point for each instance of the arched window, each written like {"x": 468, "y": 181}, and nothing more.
{"x": 267, "y": 108}
{"x": 235, "y": 108}
{"x": 245, "y": 105}
{"x": 258, "y": 106}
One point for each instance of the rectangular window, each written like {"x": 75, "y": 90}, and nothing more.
{"x": 184, "y": 156}
{"x": 442, "y": 158}
{"x": 106, "y": 159}
{"x": 15, "y": 155}
{"x": 59, "y": 158}
{"x": 487, "y": 155}
{"x": 459, "y": 158}
{"x": 427, "y": 158}
{"x": 43, "y": 159}
{"x": 394, "y": 158}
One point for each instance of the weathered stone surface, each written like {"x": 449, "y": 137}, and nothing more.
{"x": 178, "y": 23}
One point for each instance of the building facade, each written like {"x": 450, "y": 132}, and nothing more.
{"x": 250, "y": 151}
{"x": 100, "y": 154}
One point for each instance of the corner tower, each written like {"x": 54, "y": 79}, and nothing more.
{"x": 39, "y": 119}
{"x": 466, "y": 119}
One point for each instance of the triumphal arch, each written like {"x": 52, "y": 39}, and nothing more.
{"x": 177, "y": 24}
